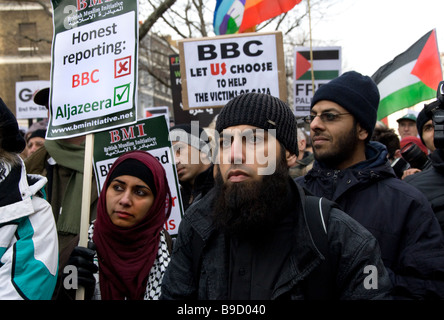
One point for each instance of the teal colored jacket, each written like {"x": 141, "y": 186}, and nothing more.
{"x": 28, "y": 239}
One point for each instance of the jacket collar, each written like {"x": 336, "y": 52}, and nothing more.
{"x": 16, "y": 194}
{"x": 307, "y": 159}
{"x": 376, "y": 166}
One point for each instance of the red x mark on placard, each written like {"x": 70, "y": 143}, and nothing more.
{"x": 122, "y": 67}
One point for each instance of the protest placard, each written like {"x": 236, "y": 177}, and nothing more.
{"x": 25, "y": 106}
{"x": 204, "y": 115}
{"x": 326, "y": 66}
{"x": 156, "y": 111}
{"x": 216, "y": 69}
{"x": 93, "y": 77}
{"x": 94, "y": 66}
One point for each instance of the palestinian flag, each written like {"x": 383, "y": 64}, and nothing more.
{"x": 411, "y": 77}
{"x": 326, "y": 64}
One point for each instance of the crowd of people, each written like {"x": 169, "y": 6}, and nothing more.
{"x": 325, "y": 216}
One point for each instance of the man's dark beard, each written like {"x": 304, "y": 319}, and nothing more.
{"x": 341, "y": 151}
{"x": 250, "y": 208}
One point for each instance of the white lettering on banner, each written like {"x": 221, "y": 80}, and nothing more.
{"x": 78, "y": 14}
{"x": 83, "y": 4}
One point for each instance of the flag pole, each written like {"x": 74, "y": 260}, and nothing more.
{"x": 86, "y": 201}
{"x": 311, "y": 47}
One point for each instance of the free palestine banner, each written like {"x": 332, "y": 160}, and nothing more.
{"x": 411, "y": 77}
{"x": 326, "y": 65}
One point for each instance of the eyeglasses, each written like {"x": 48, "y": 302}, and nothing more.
{"x": 325, "y": 117}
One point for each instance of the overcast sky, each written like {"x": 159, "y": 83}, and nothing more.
{"x": 371, "y": 33}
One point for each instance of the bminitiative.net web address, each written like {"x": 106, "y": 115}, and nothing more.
{"x": 92, "y": 123}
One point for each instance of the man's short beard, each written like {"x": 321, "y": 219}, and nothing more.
{"x": 340, "y": 152}
{"x": 250, "y": 208}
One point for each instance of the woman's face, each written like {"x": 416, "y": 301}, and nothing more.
{"x": 128, "y": 200}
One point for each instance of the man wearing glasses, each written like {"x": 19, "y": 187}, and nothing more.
{"x": 354, "y": 172}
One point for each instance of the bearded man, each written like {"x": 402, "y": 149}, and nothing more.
{"x": 253, "y": 239}
{"x": 355, "y": 173}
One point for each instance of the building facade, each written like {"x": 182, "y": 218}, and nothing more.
{"x": 25, "y": 46}
{"x": 26, "y": 32}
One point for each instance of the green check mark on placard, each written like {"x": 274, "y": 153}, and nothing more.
{"x": 121, "y": 94}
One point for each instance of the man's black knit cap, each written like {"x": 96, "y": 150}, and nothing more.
{"x": 262, "y": 111}
{"x": 421, "y": 121}
{"x": 11, "y": 138}
{"x": 356, "y": 93}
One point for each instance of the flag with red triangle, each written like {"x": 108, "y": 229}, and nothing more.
{"x": 325, "y": 63}
{"x": 411, "y": 77}
{"x": 303, "y": 65}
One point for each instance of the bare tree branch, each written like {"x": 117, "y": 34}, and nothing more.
{"x": 151, "y": 20}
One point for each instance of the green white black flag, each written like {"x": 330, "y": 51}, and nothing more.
{"x": 411, "y": 77}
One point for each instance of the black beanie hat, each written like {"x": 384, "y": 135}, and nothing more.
{"x": 11, "y": 139}
{"x": 262, "y": 111}
{"x": 356, "y": 93}
{"x": 420, "y": 122}
{"x": 41, "y": 133}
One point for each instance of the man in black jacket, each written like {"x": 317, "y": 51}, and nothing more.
{"x": 430, "y": 181}
{"x": 354, "y": 172}
{"x": 249, "y": 237}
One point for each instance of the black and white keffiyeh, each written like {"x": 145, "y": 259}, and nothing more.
{"x": 155, "y": 276}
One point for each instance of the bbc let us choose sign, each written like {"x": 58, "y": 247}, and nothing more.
{"x": 216, "y": 69}
{"x": 94, "y": 66}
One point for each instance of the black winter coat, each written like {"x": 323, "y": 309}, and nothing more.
{"x": 349, "y": 243}
{"x": 203, "y": 183}
{"x": 396, "y": 213}
{"x": 431, "y": 183}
